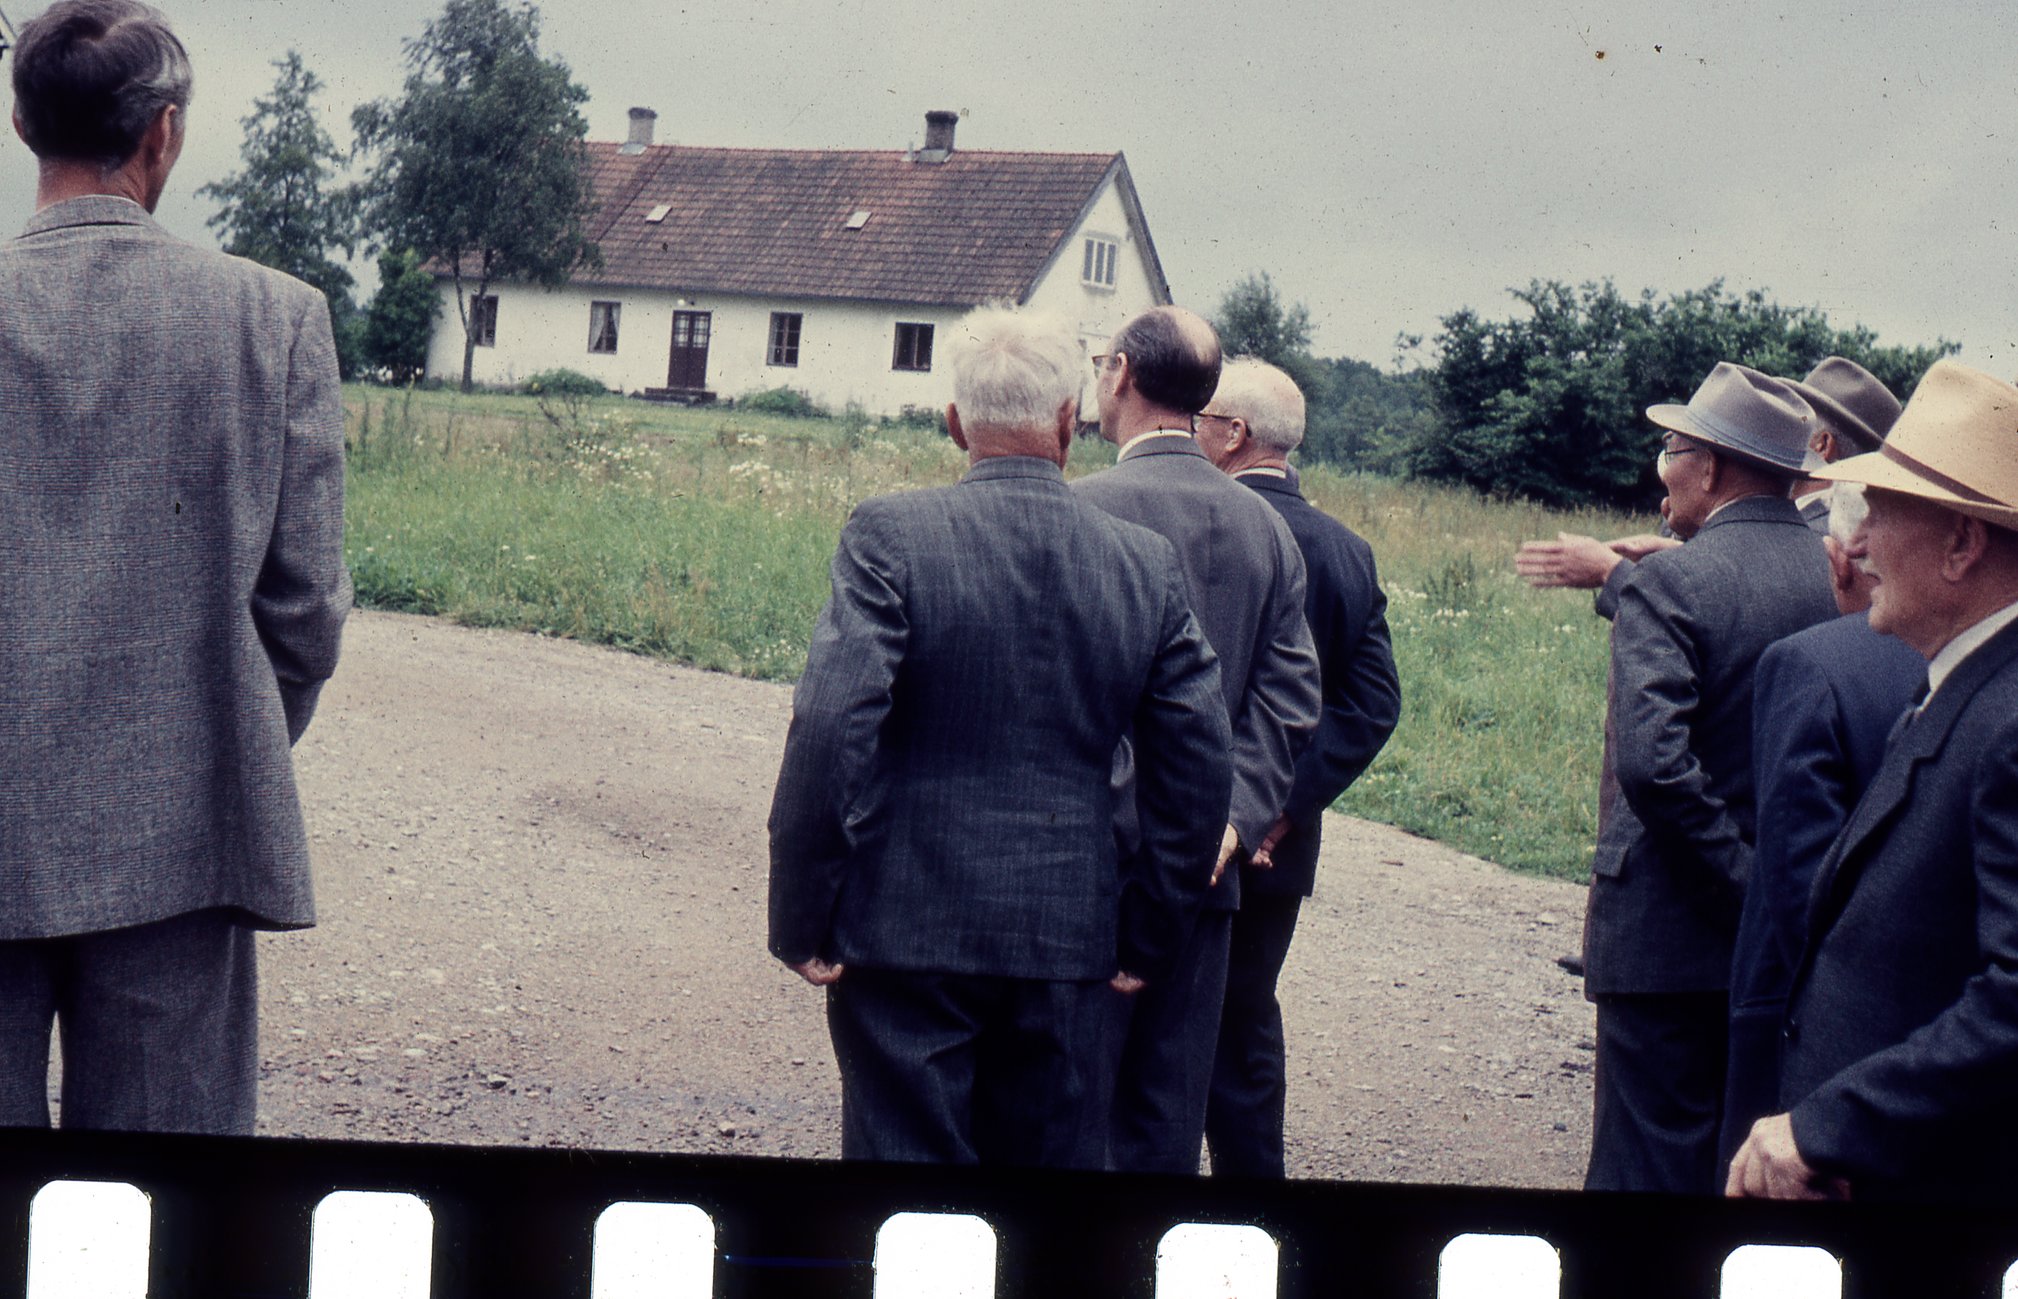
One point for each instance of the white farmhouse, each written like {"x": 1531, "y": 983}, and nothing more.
{"x": 834, "y": 272}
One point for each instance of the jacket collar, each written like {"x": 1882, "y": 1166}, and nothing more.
{"x": 91, "y": 210}
{"x": 1271, "y": 484}
{"x": 1012, "y": 467}
{"x": 1910, "y": 744}
{"x": 1162, "y": 442}
{"x": 1756, "y": 509}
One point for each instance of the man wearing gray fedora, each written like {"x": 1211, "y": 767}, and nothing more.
{"x": 1669, "y": 874}
{"x": 1901, "y": 1036}
{"x": 1853, "y": 412}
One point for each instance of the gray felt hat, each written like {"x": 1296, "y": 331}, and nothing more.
{"x": 1849, "y": 399}
{"x": 1745, "y": 414}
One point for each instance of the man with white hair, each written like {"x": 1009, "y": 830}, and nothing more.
{"x": 1248, "y": 429}
{"x": 1901, "y": 1035}
{"x": 942, "y": 854}
{"x": 1823, "y": 701}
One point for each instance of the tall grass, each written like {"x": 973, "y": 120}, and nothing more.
{"x": 703, "y": 536}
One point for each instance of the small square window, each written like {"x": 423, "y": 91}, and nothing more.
{"x": 483, "y": 319}
{"x": 603, "y": 326}
{"x": 914, "y": 347}
{"x": 1098, "y": 265}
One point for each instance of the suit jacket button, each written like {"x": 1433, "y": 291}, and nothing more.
{"x": 1792, "y": 1032}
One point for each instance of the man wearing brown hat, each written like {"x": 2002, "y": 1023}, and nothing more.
{"x": 1671, "y": 863}
{"x": 1902, "y": 1030}
{"x": 1853, "y": 412}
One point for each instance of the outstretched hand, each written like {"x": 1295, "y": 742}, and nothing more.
{"x": 1571, "y": 560}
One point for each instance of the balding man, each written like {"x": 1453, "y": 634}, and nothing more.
{"x": 172, "y": 593}
{"x": 1246, "y": 580}
{"x": 942, "y": 852}
{"x": 1248, "y": 429}
{"x": 1901, "y": 1038}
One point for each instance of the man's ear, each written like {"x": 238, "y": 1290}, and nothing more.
{"x": 953, "y": 429}
{"x": 1968, "y": 542}
{"x": 1068, "y": 422}
{"x": 18, "y": 128}
{"x": 1237, "y": 435}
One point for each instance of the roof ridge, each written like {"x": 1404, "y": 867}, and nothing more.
{"x": 897, "y": 153}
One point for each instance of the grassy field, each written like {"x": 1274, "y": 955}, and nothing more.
{"x": 703, "y": 536}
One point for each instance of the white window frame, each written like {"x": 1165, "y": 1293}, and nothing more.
{"x": 1099, "y": 261}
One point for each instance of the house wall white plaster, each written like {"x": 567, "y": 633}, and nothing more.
{"x": 845, "y": 347}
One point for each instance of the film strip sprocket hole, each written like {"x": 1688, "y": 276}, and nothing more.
{"x": 88, "y": 1216}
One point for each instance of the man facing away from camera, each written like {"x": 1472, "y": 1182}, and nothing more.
{"x": 172, "y": 590}
{"x": 943, "y": 861}
{"x": 1248, "y": 429}
{"x": 1246, "y": 580}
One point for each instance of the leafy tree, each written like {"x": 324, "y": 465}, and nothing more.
{"x": 1551, "y": 405}
{"x": 479, "y": 164}
{"x": 400, "y": 320}
{"x": 281, "y": 210}
{"x": 1252, "y": 321}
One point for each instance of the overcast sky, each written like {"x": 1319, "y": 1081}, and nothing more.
{"x": 1386, "y": 163}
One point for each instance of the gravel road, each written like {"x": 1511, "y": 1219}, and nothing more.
{"x": 541, "y": 872}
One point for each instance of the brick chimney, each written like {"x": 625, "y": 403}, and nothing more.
{"x": 939, "y": 125}
{"x": 643, "y": 123}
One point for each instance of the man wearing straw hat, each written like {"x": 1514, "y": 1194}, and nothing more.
{"x": 1902, "y": 1029}
{"x": 1671, "y": 864}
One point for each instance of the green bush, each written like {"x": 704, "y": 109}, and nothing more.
{"x": 564, "y": 383}
{"x": 782, "y": 401}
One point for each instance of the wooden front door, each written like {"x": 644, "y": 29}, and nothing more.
{"x": 689, "y": 365}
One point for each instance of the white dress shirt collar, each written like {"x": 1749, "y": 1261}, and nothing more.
{"x": 1950, "y": 656}
{"x": 1131, "y": 443}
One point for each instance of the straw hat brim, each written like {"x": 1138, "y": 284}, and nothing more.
{"x": 1875, "y": 469}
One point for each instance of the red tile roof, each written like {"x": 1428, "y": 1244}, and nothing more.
{"x": 773, "y": 222}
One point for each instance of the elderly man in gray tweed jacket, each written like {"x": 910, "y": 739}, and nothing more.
{"x": 172, "y": 589}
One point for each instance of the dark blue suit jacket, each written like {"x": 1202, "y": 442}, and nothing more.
{"x": 943, "y": 805}
{"x": 1823, "y": 701}
{"x": 1902, "y": 1028}
{"x": 1347, "y": 613}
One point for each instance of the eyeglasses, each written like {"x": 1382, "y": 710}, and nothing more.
{"x": 1101, "y": 359}
{"x": 1669, "y": 453}
{"x": 1213, "y": 414}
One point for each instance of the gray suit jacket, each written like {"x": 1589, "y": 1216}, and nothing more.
{"x": 1246, "y": 578}
{"x": 1671, "y": 864}
{"x": 943, "y": 805}
{"x": 172, "y": 584}
{"x": 1901, "y": 1042}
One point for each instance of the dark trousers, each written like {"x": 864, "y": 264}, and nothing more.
{"x": 966, "y": 1069}
{"x": 1165, "y": 1038}
{"x": 1243, "y": 1116}
{"x": 1660, "y": 1091}
{"x": 159, "y": 1025}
